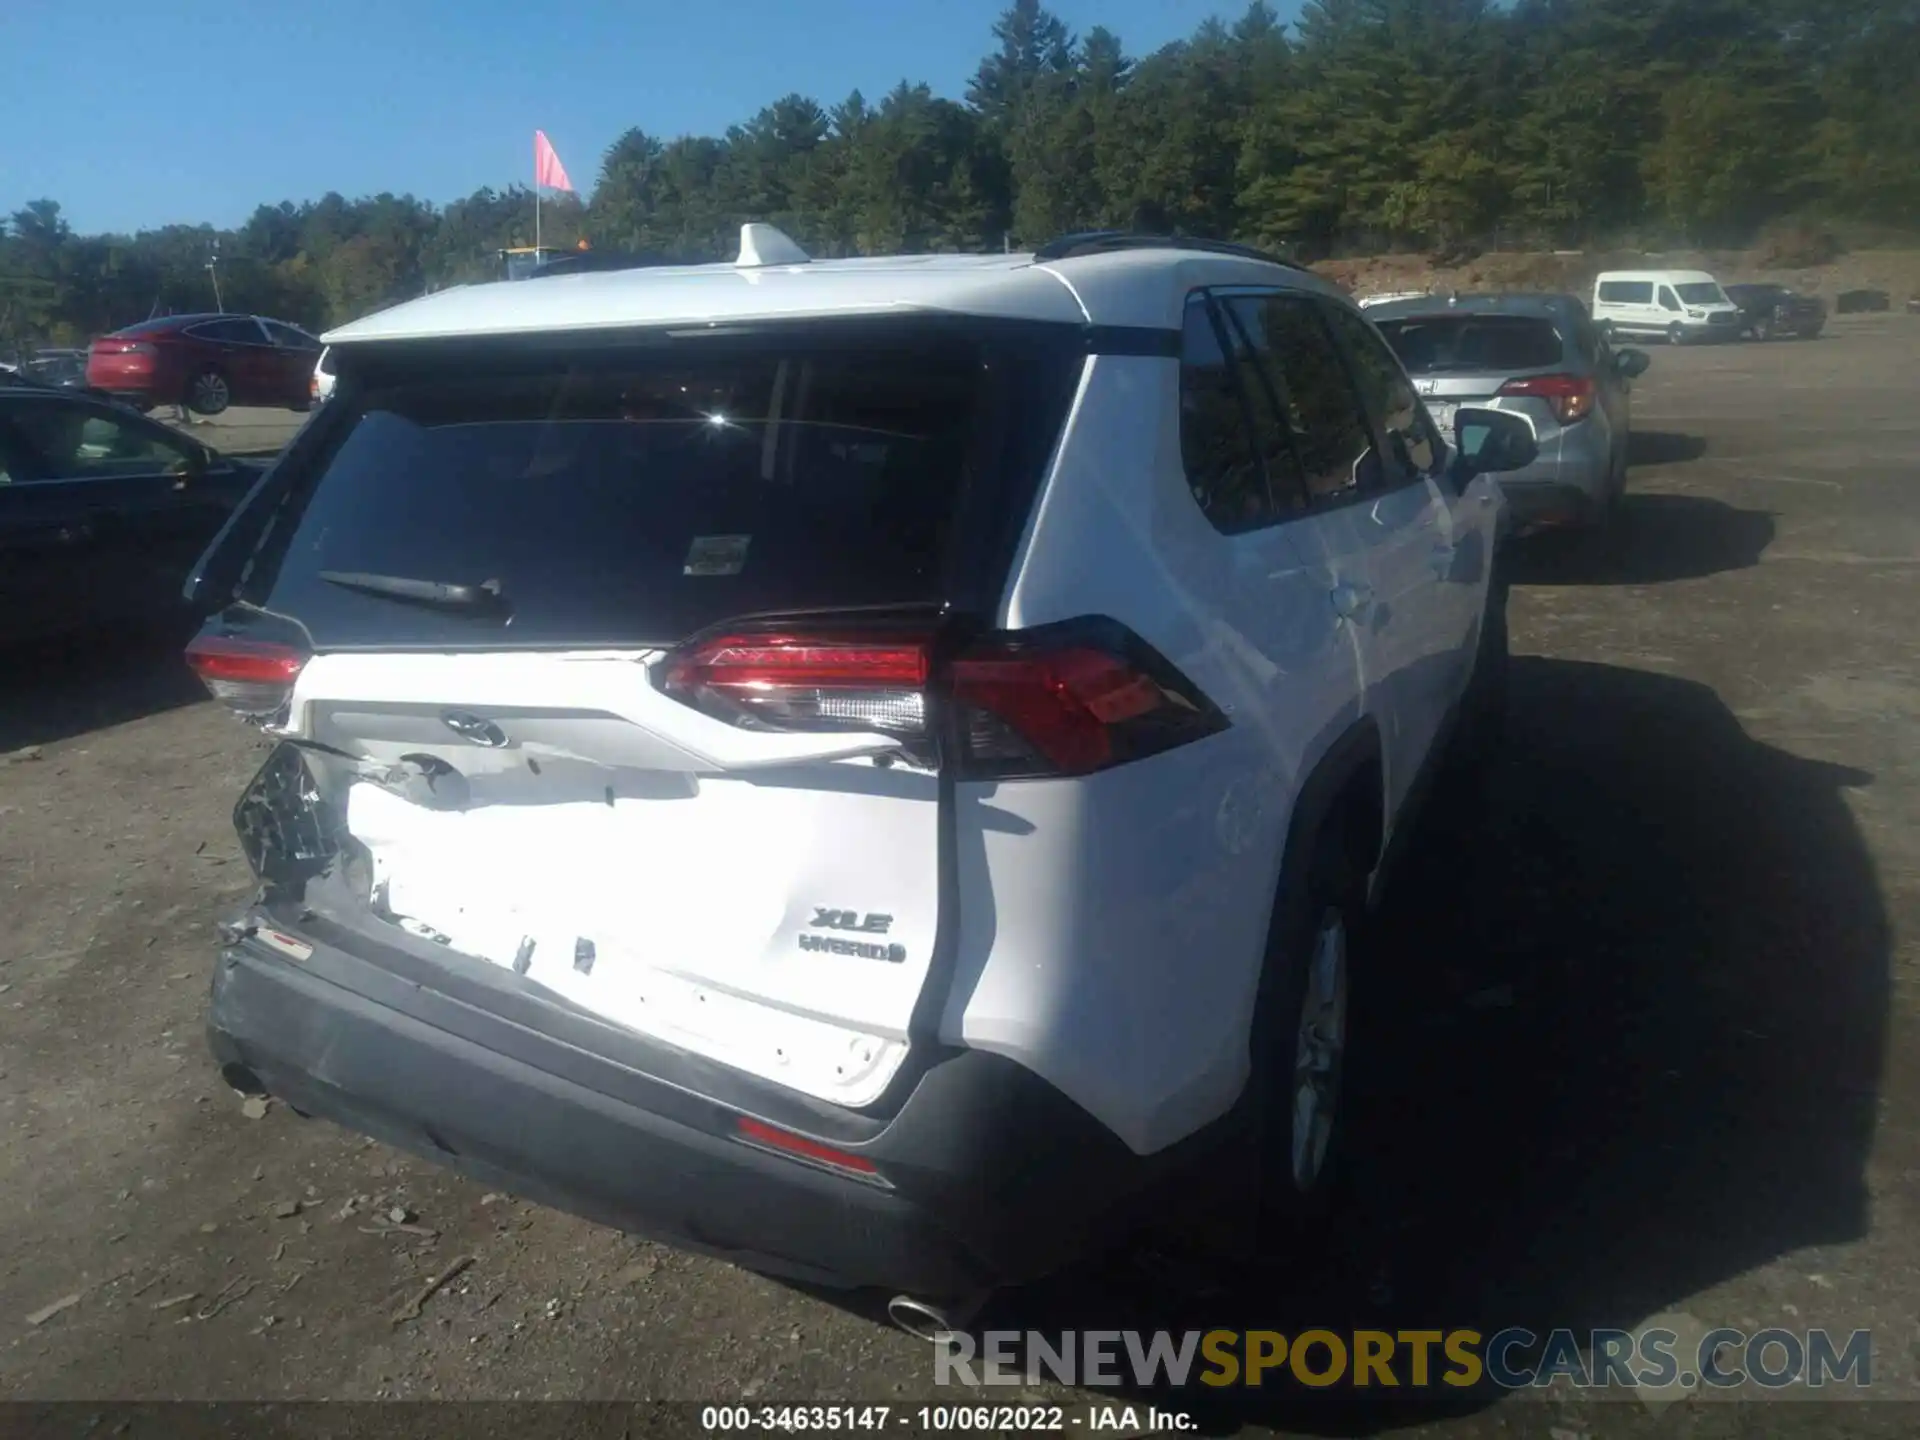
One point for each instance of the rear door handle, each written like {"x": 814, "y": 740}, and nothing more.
{"x": 1349, "y": 600}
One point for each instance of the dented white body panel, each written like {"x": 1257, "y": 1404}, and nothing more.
{"x": 650, "y": 864}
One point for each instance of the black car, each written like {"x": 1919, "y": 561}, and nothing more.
{"x": 64, "y": 368}
{"x": 102, "y": 513}
{"x": 1770, "y": 310}
{"x": 1863, "y": 302}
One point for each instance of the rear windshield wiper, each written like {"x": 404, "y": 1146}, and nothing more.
{"x": 485, "y": 595}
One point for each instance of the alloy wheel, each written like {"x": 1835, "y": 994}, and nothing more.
{"x": 210, "y": 393}
{"x": 1319, "y": 1051}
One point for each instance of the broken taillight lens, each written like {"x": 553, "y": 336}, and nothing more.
{"x": 286, "y": 829}
{"x": 252, "y": 678}
{"x": 1060, "y": 700}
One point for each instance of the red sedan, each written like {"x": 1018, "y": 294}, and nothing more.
{"x": 206, "y": 363}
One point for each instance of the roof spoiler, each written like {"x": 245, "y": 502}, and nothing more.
{"x": 768, "y": 245}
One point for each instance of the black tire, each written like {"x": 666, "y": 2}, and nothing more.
{"x": 1607, "y": 332}
{"x": 1321, "y": 903}
{"x": 1676, "y": 334}
{"x": 1763, "y": 330}
{"x": 209, "y": 392}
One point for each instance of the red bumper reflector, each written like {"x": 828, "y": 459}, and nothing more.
{"x": 770, "y": 1138}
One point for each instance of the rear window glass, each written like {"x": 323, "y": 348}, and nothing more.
{"x": 641, "y": 498}
{"x": 1473, "y": 342}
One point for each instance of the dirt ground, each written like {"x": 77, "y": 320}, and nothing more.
{"x": 1642, "y": 1039}
{"x": 242, "y": 430}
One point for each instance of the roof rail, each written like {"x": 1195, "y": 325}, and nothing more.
{"x": 583, "y": 262}
{"x": 1100, "y": 242}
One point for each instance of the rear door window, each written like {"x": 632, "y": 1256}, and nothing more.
{"x": 634, "y": 498}
{"x": 1627, "y": 292}
{"x": 1391, "y": 403}
{"x": 235, "y": 331}
{"x": 62, "y": 440}
{"x": 1325, "y": 414}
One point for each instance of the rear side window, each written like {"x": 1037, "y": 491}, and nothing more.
{"x": 288, "y": 338}
{"x": 1473, "y": 342}
{"x": 1627, "y": 292}
{"x": 638, "y": 497}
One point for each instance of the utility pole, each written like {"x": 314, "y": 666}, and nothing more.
{"x": 213, "y": 269}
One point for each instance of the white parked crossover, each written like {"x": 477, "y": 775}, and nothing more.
{"x": 860, "y": 767}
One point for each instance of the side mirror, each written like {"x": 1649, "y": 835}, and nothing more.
{"x": 1631, "y": 364}
{"x": 1490, "y": 442}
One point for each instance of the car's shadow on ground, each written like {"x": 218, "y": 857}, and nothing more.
{"x": 53, "y": 690}
{"x": 1660, "y": 538}
{"x": 1623, "y": 1042}
{"x": 1664, "y": 447}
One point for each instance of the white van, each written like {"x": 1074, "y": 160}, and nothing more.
{"x": 1682, "y": 305}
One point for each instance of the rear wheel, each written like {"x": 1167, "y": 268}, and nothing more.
{"x": 209, "y": 393}
{"x": 1763, "y": 329}
{"x": 1301, "y": 1039}
{"x": 1676, "y": 334}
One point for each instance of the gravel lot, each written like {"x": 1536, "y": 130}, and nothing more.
{"x": 243, "y": 430}
{"x": 1647, "y": 1047}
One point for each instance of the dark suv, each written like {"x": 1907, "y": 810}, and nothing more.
{"x": 1770, "y": 310}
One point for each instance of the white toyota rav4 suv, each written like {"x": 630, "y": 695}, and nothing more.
{"x": 867, "y": 768}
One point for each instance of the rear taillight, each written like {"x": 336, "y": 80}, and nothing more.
{"x": 253, "y": 678}
{"x": 806, "y": 682}
{"x": 1060, "y": 700}
{"x": 1570, "y": 397}
{"x": 1070, "y": 710}
{"x": 123, "y": 347}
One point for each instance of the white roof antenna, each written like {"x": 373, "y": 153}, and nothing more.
{"x": 768, "y": 245}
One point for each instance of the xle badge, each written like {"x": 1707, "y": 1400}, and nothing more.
{"x": 852, "y": 920}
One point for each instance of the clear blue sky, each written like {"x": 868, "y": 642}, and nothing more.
{"x": 139, "y": 113}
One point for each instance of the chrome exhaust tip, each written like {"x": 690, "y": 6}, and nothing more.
{"x": 930, "y": 1319}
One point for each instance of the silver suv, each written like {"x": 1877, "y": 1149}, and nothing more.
{"x": 1540, "y": 356}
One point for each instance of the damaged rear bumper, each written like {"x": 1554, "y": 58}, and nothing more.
{"x": 985, "y": 1175}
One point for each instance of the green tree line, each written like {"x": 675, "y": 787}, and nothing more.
{"x": 1368, "y": 125}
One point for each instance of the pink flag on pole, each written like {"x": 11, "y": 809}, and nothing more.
{"x": 547, "y": 169}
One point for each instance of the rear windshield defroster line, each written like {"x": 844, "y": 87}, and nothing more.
{"x": 630, "y": 497}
